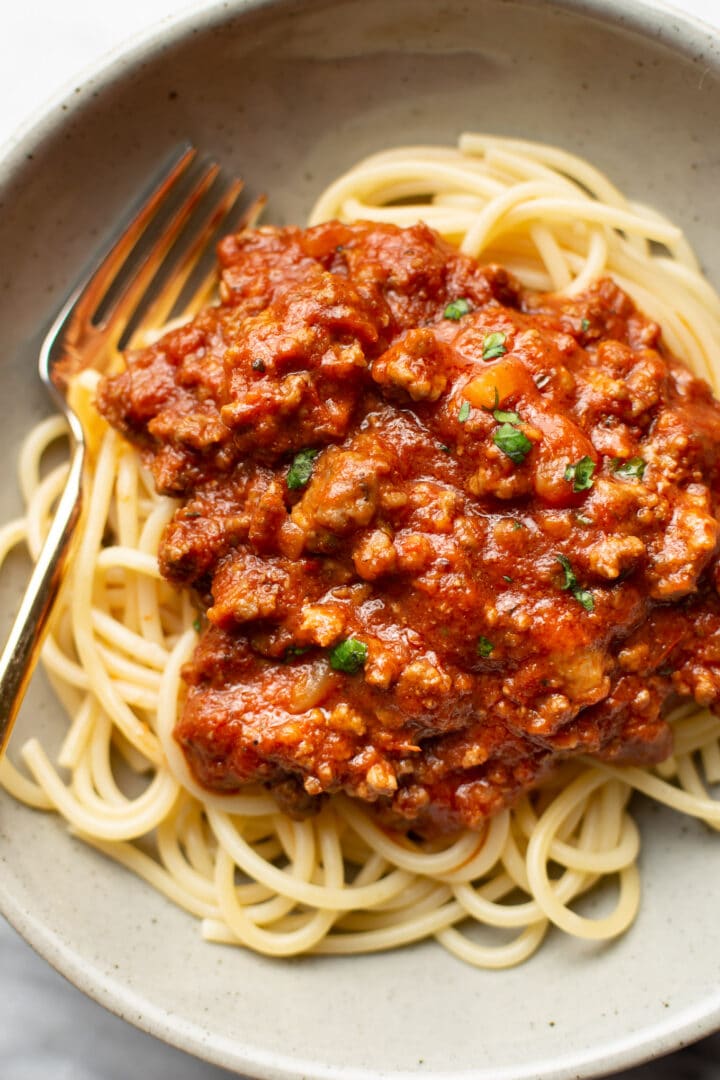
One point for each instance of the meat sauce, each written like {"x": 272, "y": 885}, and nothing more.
{"x": 446, "y": 532}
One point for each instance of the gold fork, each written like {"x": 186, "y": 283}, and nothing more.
{"x": 135, "y": 284}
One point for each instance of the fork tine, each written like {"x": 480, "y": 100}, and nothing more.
{"x": 104, "y": 274}
{"x": 138, "y": 285}
{"x": 202, "y": 293}
{"x": 208, "y": 283}
{"x": 161, "y": 307}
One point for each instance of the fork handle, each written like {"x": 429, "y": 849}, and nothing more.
{"x": 28, "y": 630}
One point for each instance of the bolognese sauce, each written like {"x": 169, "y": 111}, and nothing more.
{"x": 446, "y": 532}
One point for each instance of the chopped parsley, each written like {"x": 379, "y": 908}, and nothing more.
{"x": 512, "y": 442}
{"x": 301, "y": 469}
{"x": 464, "y": 412}
{"x": 494, "y": 346}
{"x": 585, "y": 325}
{"x": 506, "y": 577}
{"x": 457, "y": 308}
{"x": 632, "y": 469}
{"x": 445, "y": 448}
{"x": 570, "y": 579}
{"x": 348, "y": 656}
{"x": 541, "y": 379}
{"x": 583, "y": 519}
{"x": 484, "y": 647}
{"x": 258, "y": 365}
{"x": 583, "y": 596}
{"x": 197, "y": 624}
{"x": 506, "y": 417}
{"x": 580, "y": 475}
{"x": 518, "y": 525}
{"x": 507, "y": 437}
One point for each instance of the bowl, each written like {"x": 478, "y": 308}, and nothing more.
{"x": 289, "y": 94}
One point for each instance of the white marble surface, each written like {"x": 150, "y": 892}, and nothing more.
{"x": 48, "y": 1030}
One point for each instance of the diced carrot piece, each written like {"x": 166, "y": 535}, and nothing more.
{"x": 499, "y": 381}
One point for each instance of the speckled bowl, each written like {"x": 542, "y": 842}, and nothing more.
{"x": 289, "y": 93}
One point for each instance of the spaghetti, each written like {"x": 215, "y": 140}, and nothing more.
{"x": 339, "y": 883}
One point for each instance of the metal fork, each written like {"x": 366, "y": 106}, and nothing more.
{"x": 87, "y": 331}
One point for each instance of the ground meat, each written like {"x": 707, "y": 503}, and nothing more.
{"x": 446, "y": 532}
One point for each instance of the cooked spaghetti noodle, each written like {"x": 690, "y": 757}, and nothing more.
{"x": 339, "y": 883}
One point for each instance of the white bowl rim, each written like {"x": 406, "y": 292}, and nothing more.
{"x": 655, "y": 19}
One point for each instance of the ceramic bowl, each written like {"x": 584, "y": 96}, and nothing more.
{"x": 289, "y": 93}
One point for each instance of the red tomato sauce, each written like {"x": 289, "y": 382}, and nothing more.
{"x": 446, "y": 532}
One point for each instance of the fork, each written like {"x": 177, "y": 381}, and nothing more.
{"x": 134, "y": 286}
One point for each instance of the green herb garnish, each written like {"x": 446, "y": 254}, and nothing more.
{"x": 456, "y": 309}
{"x": 197, "y": 625}
{"x": 580, "y": 475}
{"x": 583, "y": 596}
{"x": 585, "y": 325}
{"x": 506, "y": 577}
{"x": 512, "y": 442}
{"x": 506, "y": 417}
{"x": 484, "y": 647}
{"x": 258, "y": 365}
{"x": 583, "y": 519}
{"x": 464, "y": 412}
{"x": 632, "y": 469}
{"x": 301, "y": 469}
{"x": 348, "y": 656}
{"x": 494, "y": 346}
{"x": 518, "y": 525}
{"x": 570, "y": 579}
